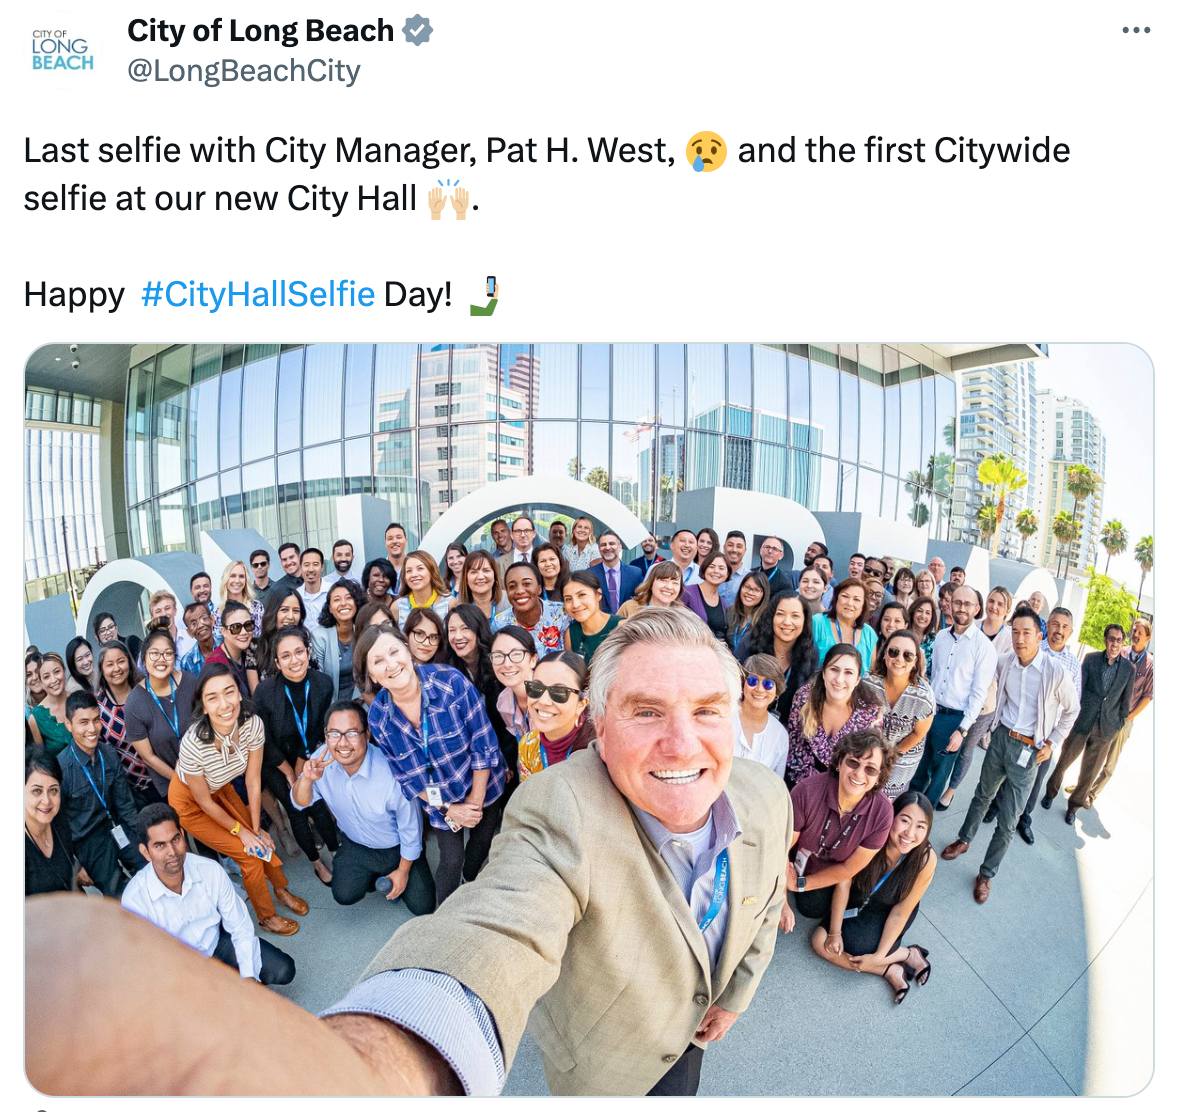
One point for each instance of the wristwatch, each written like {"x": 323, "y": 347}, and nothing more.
{"x": 801, "y": 884}
{"x": 963, "y": 730}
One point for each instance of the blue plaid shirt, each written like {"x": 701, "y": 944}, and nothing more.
{"x": 460, "y": 740}
{"x": 192, "y": 661}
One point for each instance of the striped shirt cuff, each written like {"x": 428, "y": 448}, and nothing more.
{"x": 441, "y": 1011}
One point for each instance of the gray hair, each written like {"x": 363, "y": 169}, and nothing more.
{"x": 658, "y": 627}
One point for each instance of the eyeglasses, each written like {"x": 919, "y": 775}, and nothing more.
{"x": 515, "y": 656}
{"x": 337, "y": 735}
{"x": 753, "y": 681}
{"x": 872, "y": 771}
{"x": 523, "y": 532}
{"x": 107, "y": 628}
{"x": 425, "y": 637}
{"x": 258, "y": 564}
{"x": 905, "y": 654}
{"x": 558, "y": 692}
{"x": 238, "y": 627}
{"x": 159, "y": 654}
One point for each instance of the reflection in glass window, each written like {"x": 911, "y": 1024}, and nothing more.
{"x": 136, "y": 451}
{"x": 553, "y": 447}
{"x": 557, "y": 381}
{"x": 704, "y": 460}
{"x": 594, "y": 382}
{"x": 322, "y": 487}
{"x": 232, "y": 499}
{"x": 826, "y": 499}
{"x": 770, "y": 468}
{"x": 259, "y": 403}
{"x": 228, "y": 418}
{"x": 259, "y": 500}
{"x": 911, "y": 426}
{"x": 288, "y": 496}
{"x": 805, "y": 478}
{"x": 869, "y": 492}
{"x": 889, "y": 496}
{"x": 928, "y": 419}
{"x": 323, "y": 392}
{"x": 174, "y": 517}
{"x": 203, "y": 428}
{"x": 891, "y": 398}
{"x": 770, "y": 382}
{"x": 395, "y": 479}
{"x": 872, "y": 425}
{"x": 357, "y": 476}
{"x": 168, "y": 418}
{"x": 395, "y": 374}
{"x": 847, "y": 494}
{"x": 288, "y": 400}
{"x": 595, "y": 455}
{"x": 825, "y": 406}
{"x": 356, "y": 401}
{"x": 740, "y": 373}
{"x": 632, "y": 481}
{"x": 849, "y": 416}
{"x": 671, "y": 384}
{"x": 706, "y": 386}
{"x": 634, "y": 382}
{"x": 207, "y": 508}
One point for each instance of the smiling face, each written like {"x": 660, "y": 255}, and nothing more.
{"x": 841, "y": 677}
{"x": 770, "y": 552}
{"x": 453, "y": 561}
{"x": 581, "y": 601}
{"x": 86, "y": 727}
{"x": 221, "y": 702}
{"x": 199, "y": 624}
{"x": 292, "y": 658}
{"x": 923, "y": 617}
{"x": 750, "y": 592}
{"x": 200, "y": 589}
{"x": 789, "y": 620}
{"x": 500, "y": 534}
{"x": 115, "y": 669}
{"x": 548, "y": 716}
{"x": 395, "y": 540}
{"x": 610, "y": 548}
{"x": 416, "y": 575}
{"x": 289, "y": 612}
{"x": 892, "y": 621}
{"x": 735, "y": 552}
{"x": 236, "y": 581}
{"x": 911, "y": 828}
{"x": 342, "y": 557}
{"x": 667, "y": 734}
{"x": 905, "y": 584}
{"x": 33, "y": 679}
{"x": 649, "y": 545}
{"x": 84, "y": 661}
{"x": 1138, "y": 636}
{"x": 523, "y": 534}
{"x": 963, "y": 607}
{"x": 341, "y": 605}
{"x": 349, "y": 752}
{"x": 522, "y": 589}
{"x": 924, "y": 584}
{"x": 823, "y": 564}
{"x": 811, "y": 585}
{"x": 665, "y": 592}
{"x": 311, "y": 572}
{"x": 704, "y": 544}
{"x": 424, "y": 639}
{"x": 850, "y": 604}
{"x": 1058, "y": 632}
{"x": 378, "y": 585}
{"x": 549, "y": 565}
{"x": 558, "y": 533}
{"x": 582, "y": 530}
{"x": 683, "y": 548}
{"x": 479, "y": 580}
{"x": 937, "y": 568}
{"x": 900, "y": 655}
{"x": 159, "y": 658}
{"x": 859, "y": 775}
{"x": 108, "y": 631}
{"x": 512, "y": 663}
{"x": 717, "y": 572}
{"x": 758, "y": 695}
{"x": 462, "y": 639}
{"x": 1113, "y": 643}
{"x": 708, "y": 148}
{"x": 389, "y": 665}
{"x": 43, "y": 798}
{"x": 290, "y": 561}
{"x": 996, "y": 606}
{"x": 856, "y": 567}
{"x": 53, "y": 678}
{"x": 238, "y": 630}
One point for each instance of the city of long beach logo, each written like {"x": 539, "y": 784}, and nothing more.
{"x": 60, "y": 50}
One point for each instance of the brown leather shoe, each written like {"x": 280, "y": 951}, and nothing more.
{"x": 954, "y": 850}
{"x": 294, "y": 903}
{"x": 981, "y": 888}
{"x": 277, "y": 924}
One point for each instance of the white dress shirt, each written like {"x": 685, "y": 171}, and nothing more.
{"x": 206, "y": 902}
{"x": 1020, "y": 694}
{"x": 769, "y": 747}
{"x": 313, "y": 604}
{"x": 369, "y": 805}
{"x": 961, "y": 671}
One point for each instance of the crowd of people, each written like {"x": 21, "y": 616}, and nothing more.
{"x": 350, "y": 719}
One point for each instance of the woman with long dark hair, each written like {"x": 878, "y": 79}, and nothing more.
{"x": 285, "y": 608}
{"x": 426, "y": 637}
{"x": 590, "y": 624}
{"x": 557, "y": 709}
{"x": 80, "y": 663}
{"x": 872, "y": 912}
{"x": 893, "y": 617}
{"x": 714, "y": 573}
{"x": 106, "y": 630}
{"x": 481, "y": 584}
{"x": 844, "y": 622}
{"x": 159, "y": 709}
{"x": 238, "y": 631}
{"x": 898, "y": 682}
{"x": 50, "y": 714}
{"x": 782, "y": 629}
{"x": 753, "y": 593}
{"x": 451, "y": 566}
{"x": 333, "y": 640}
{"x": 118, "y": 675}
{"x": 34, "y": 689}
{"x": 833, "y": 705}
{"x": 224, "y": 742}
{"x": 553, "y": 567}
{"x": 923, "y": 621}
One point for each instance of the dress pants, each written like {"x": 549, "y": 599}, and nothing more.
{"x": 1094, "y": 747}
{"x": 1024, "y": 819}
{"x": 195, "y": 821}
{"x": 102, "y": 858}
{"x": 683, "y": 1079}
{"x": 276, "y": 967}
{"x": 815, "y": 904}
{"x": 317, "y": 812}
{"x": 1110, "y": 764}
{"x": 465, "y": 852}
{"x": 1002, "y": 773}
{"x": 936, "y": 764}
{"x": 357, "y": 867}
{"x": 963, "y": 759}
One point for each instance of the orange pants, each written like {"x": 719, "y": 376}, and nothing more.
{"x": 195, "y": 821}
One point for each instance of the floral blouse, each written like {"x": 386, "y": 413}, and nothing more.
{"x": 809, "y": 755}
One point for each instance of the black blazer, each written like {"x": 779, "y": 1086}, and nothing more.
{"x": 1107, "y": 711}
{"x": 282, "y": 739}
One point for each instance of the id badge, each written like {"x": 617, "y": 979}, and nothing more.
{"x": 433, "y": 791}
{"x": 801, "y": 860}
{"x": 1023, "y": 758}
{"x": 121, "y": 839}
{"x": 852, "y": 912}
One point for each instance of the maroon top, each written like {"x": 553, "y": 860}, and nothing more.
{"x": 1142, "y": 680}
{"x": 821, "y": 828}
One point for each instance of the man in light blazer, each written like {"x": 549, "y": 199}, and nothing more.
{"x": 523, "y": 542}
{"x": 629, "y": 907}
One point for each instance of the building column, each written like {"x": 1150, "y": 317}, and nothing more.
{"x": 113, "y": 496}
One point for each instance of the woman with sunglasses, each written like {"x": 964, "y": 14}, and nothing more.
{"x": 481, "y": 584}
{"x": 757, "y": 734}
{"x": 871, "y": 913}
{"x": 841, "y": 820}
{"x": 833, "y": 705}
{"x": 908, "y": 703}
{"x": 292, "y": 704}
{"x": 80, "y": 663}
{"x": 554, "y": 568}
{"x": 451, "y": 566}
{"x": 333, "y": 639}
{"x": 421, "y": 587}
{"x": 426, "y": 637}
{"x": 753, "y": 592}
{"x": 118, "y": 675}
{"x": 557, "y": 705}
{"x": 922, "y": 619}
{"x": 106, "y": 630}
{"x": 159, "y": 709}
{"x": 238, "y": 630}
{"x": 590, "y": 624}
{"x": 782, "y": 629}
{"x": 428, "y": 720}
{"x": 235, "y": 586}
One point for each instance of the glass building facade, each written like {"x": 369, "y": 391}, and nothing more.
{"x": 268, "y": 436}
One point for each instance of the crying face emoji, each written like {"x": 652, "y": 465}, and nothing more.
{"x": 706, "y": 151}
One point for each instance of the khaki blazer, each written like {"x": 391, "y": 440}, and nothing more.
{"x": 505, "y": 560}
{"x": 576, "y": 910}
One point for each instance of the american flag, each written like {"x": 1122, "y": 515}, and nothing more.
{"x": 640, "y": 427}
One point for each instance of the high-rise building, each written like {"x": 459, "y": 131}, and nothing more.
{"x": 1070, "y": 435}
{"x": 998, "y": 412}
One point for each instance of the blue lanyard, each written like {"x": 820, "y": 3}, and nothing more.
{"x": 719, "y": 888}
{"x": 302, "y": 720}
{"x": 175, "y": 721}
{"x": 87, "y": 774}
{"x": 839, "y": 636}
{"x": 424, "y": 738}
{"x": 881, "y": 882}
{"x": 739, "y": 634}
{"x": 543, "y": 753}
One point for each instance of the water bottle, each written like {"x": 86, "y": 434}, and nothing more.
{"x": 383, "y": 885}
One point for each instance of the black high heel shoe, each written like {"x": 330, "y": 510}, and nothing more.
{"x": 921, "y": 976}
{"x": 899, "y": 993}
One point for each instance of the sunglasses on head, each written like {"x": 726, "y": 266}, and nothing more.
{"x": 238, "y": 627}
{"x": 752, "y": 681}
{"x": 906, "y": 654}
{"x": 557, "y": 691}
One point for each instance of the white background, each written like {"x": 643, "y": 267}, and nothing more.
{"x": 1086, "y": 251}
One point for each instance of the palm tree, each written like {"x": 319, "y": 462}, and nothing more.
{"x": 916, "y": 486}
{"x": 1065, "y": 529}
{"x": 1144, "y": 554}
{"x": 1027, "y": 526}
{"x": 598, "y": 477}
{"x": 1115, "y": 540}
{"x": 986, "y": 521}
{"x": 1002, "y": 476}
{"x": 1081, "y": 484}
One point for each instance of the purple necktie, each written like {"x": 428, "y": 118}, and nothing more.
{"x": 611, "y": 576}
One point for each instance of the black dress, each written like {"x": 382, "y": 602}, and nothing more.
{"x": 56, "y": 872}
{"x": 862, "y": 935}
